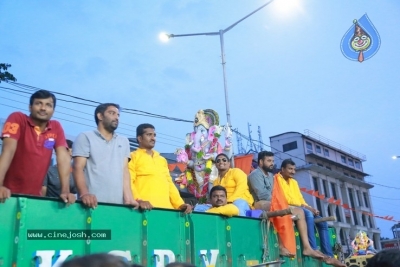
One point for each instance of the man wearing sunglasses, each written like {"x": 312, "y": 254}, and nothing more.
{"x": 235, "y": 182}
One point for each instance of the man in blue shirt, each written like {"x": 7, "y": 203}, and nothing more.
{"x": 51, "y": 184}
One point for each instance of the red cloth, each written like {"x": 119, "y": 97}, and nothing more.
{"x": 32, "y": 157}
{"x": 283, "y": 225}
{"x": 244, "y": 163}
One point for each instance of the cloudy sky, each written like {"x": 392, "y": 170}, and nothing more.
{"x": 285, "y": 70}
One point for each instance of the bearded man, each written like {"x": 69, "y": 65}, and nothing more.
{"x": 261, "y": 181}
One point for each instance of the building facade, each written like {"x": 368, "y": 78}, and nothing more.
{"x": 334, "y": 171}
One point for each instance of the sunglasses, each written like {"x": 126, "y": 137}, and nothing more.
{"x": 223, "y": 160}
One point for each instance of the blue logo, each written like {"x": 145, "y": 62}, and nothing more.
{"x": 49, "y": 143}
{"x": 361, "y": 41}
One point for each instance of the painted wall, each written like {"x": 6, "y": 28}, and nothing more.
{"x": 152, "y": 238}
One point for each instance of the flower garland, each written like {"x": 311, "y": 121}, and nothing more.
{"x": 193, "y": 185}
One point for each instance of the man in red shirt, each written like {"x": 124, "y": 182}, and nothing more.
{"x": 28, "y": 143}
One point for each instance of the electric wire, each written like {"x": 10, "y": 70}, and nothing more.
{"x": 134, "y": 126}
{"x": 91, "y": 126}
{"x": 32, "y": 88}
{"x": 144, "y": 113}
{"x": 386, "y": 198}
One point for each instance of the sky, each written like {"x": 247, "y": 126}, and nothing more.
{"x": 284, "y": 70}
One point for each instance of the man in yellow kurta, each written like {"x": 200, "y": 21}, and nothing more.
{"x": 151, "y": 182}
{"x": 219, "y": 202}
{"x": 294, "y": 197}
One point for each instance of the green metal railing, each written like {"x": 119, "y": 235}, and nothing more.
{"x": 151, "y": 238}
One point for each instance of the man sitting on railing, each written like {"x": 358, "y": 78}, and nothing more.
{"x": 261, "y": 181}
{"x": 294, "y": 197}
{"x": 218, "y": 198}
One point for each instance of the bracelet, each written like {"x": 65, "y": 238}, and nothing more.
{"x": 80, "y": 197}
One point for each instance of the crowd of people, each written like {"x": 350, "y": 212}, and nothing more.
{"x": 99, "y": 167}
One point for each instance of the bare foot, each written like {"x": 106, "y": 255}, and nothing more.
{"x": 285, "y": 253}
{"x": 334, "y": 262}
{"x": 313, "y": 253}
{"x": 321, "y": 254}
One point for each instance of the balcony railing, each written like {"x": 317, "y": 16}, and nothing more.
{"x": 335, "y": 144}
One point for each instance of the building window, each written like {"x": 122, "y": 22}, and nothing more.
{"x": 366, "y": 199}
{"x": 352, "y": 176}
{"x": 347, "y": 213}
{"x": 343, "y": 238}
{"x": 337, "y": 212}
{"x": 363, "y": 220}
{"x": 319, "y": 164}
{"x": 309, "y": 147}
{"x": 333, "y": 186}
{"x": 351, "y": 162}
{"x": 325, "y": 185}
{"x": 352, "y": 205}
{"x": 289, "y": 146}
{"x": 318, "y": 149}
{"x": 329, "y": 168}
{"x": 345, "y": 173}
{"x": 316, "y": 188}
{"x": 358, "y": 165}
{"x": 359, "y": 198}
{"x": 343, "y": 159}
{"x": 370, "y": 222}
{"x": 326, "y": 152}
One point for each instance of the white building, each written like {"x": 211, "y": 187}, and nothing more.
{"x": 335, "y": 171}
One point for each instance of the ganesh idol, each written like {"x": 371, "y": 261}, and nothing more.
{"x": 202, "y": 146}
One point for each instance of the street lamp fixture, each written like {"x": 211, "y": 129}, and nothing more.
{"x": 164, "y": 37}
{"x": 395, "y": 157}
{"x": 220, "y": 33}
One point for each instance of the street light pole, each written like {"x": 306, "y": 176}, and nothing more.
{"x": 228, "y": 113}
{"x": 221, "y": 38}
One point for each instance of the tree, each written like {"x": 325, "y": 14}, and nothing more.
{"x": 5, "y": 76}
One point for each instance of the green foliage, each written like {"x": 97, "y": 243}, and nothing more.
{"x": 203, "y": 200}
{"x": 5, "y": 76}
{"x": 207, "y": 170}
{"x": 200, "y": 154}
